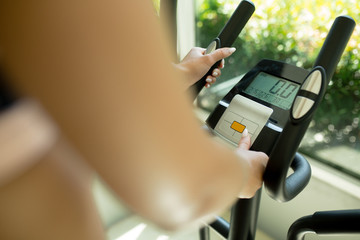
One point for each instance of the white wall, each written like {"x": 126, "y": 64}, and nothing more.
{"x": 185, "y": 26}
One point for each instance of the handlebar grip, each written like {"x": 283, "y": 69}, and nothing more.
{"x": 284, "y": 188}
{"x": 335, "y": 44}
{"x": 297, "y": 181}
{"x": 326, "y": 222}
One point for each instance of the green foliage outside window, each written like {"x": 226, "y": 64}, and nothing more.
{"x": 293, "y": 32}
{"x": 156, "y": 4}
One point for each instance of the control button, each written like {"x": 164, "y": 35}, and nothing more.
{"x": 302, "y": 106}
{"x": 313, "y": 82}
{"x": 238, "y": 127}
{"x": 240, "y": 114}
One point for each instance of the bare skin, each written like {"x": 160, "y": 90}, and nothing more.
{"x": 119, "y": 102}
{"x": 52, "y": 200}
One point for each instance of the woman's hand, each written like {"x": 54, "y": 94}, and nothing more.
{"x": 196, "y": 64}
{"x": 257, "y": 162}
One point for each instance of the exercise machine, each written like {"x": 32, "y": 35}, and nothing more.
{"x": 275, "y": 102}
{"x": 226, "y": 38}
{"x": 326, "y": 223}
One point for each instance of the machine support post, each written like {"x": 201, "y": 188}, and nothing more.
{"x": 244, "y": 216}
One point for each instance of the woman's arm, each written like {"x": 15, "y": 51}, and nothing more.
{"x": 102, "y": 70}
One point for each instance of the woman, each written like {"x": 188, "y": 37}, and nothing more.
{"x": 102, "y": 71}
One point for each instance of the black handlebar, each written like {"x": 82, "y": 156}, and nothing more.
{"x": 278, "y": 186}
{"x": 227, "y": 37}
{"x": 284, "y": 188}
{"x": 236, "y": 23}
{"x": 284, "y": 154}
{"x": 334, "y": 44}
{"x": 327, "y": 222}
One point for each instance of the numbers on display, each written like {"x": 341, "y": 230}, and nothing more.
{"x": 285, "y": 88}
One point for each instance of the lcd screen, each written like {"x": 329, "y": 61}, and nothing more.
{"x": 274, "y": 90}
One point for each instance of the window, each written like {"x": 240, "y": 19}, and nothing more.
{"x": 293, "y": 31}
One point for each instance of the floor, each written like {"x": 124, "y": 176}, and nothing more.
{"x": 135, "y": 229}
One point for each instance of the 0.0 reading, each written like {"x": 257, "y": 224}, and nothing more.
{"x": 274, "y": 90}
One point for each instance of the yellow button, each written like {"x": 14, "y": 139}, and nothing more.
{"x": 238, "y": 127}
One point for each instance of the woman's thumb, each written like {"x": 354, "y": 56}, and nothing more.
{"x": 222, "y": 53}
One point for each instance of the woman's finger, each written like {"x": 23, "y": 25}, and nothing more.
{"x": 245, "y": 142}
{"x": 216, "y": 72}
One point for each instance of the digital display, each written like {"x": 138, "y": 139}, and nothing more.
{"x": 274, "y": 90}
